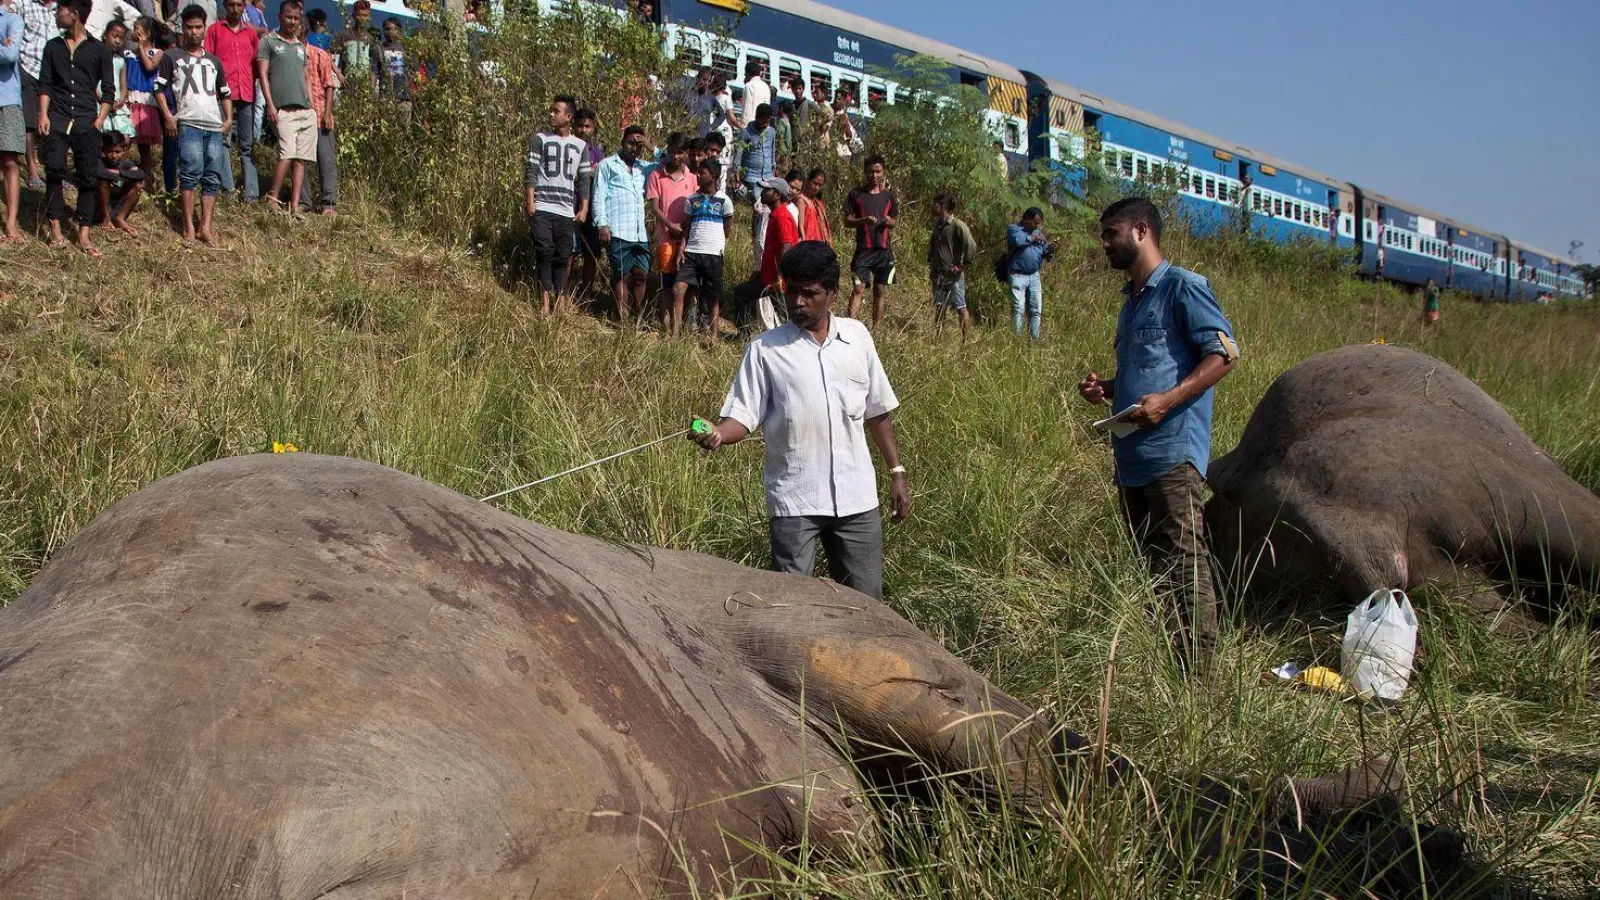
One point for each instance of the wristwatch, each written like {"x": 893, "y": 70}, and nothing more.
{"x": 898, "y": 470}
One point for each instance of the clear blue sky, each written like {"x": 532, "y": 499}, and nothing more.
{"x": 1485, "y": 111}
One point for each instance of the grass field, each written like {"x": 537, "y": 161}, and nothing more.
{"x": 347, "y": 337}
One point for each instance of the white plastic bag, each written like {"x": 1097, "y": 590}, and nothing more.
{"x": 1380, "y": 644}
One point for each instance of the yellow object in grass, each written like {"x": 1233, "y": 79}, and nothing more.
{"x": 284, "y": 448}
{"x": 1322, "y": 678}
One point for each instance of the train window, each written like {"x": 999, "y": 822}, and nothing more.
{"x": 1277, "y": 206}
{"x": 1141, "y": 168}
{"x": 1127, "y": 165}
{"x": 1316, "y": 219}
{"x": 902, "y": 96}
{"x": 1059, "y": 119}
{"x": 690, "y": 51}
{"x": 788, "y": 73}
{"x": 821, "y": 78}
{"x": 1014, "y": 137}
{"x": 1197, "y": 187}
{"x": 1211, "y": 188}
{"x": 852, "y": 86}
{"x": 876, "y": 94}
{"x": 757, "y": 56}
{"x": 725, "y": 60}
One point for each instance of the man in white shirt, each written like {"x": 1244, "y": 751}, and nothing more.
{"x": 816, "y": 388}
{"x": 756, "y": 90}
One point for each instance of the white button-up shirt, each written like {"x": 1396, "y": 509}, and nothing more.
{"x": 812, "y": 402}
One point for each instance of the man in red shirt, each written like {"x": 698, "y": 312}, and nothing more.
{"x": 232, "y": 40}
{"x": 782, "y": 230}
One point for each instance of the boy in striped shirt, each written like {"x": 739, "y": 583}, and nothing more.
{"x": 708, "y": 217}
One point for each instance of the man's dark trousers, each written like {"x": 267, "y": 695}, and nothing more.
{"x": 1168, "y": 523}
{"x": 83, "y": 139}
{"x": 854, "y": 545}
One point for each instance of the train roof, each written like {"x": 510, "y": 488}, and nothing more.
{"x": 1057, "y": 88}
{"x": 1386, "y": 200}
{"x": 1118, "y": 108}
{"x": 1544, "y": 253}
{"x": 838, "y": 18}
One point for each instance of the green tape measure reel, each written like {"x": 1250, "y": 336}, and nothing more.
{"x": 699, "y": 426}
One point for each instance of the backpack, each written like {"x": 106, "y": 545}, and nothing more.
{"x": 1002, "y": 266}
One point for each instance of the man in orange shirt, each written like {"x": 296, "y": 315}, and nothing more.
{"x": 321, "y": 80}
{"x": 813, "y": 214}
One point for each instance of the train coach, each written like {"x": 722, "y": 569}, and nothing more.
{"x": 1219, "y": 183}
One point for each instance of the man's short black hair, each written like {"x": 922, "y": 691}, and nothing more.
{"x": 570, "y": 101}
{"x": 874, "y": 158}
{"x": 785, "y": 107}
{"x": 632, "y": 130}
{"x": 716, "y": 138}
{"x": 946, "y": 200}
{"x": 752, "y": 68}
{"x": 794, "y": 175}
{"x": 286, "y": 4}
{"x": 676, "y": 141}
{"x": 111, "y": 139}
{"x": 1033, "y": 212}
{"x": 712, "y": 165}
{"x": 585, "y": 115}
{"x": 810, "y": 262}
{"x": 317, "y": 17}
{"x": 764, "y": 111}
{"x": 114, "y": 23}
{"x": 81, "y": 8}
{"x": 1134, "y": 209}
{"x": 191, "y": 12}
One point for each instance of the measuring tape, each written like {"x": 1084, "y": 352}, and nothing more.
{"x": 698, "y": 426}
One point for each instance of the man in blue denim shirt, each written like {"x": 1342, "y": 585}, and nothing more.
{"x": 1173, "y": 345}
{"x": 1030, "y": 250}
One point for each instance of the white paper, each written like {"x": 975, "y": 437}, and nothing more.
{"x": 1118, "y": 424}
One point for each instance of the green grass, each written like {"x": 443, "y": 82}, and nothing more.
{"x": 350, "y": 338}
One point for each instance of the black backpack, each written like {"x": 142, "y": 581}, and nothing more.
{"x": 1002, "y": 266}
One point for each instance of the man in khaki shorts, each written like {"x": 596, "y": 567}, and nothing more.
{"x": 281, "y": 69}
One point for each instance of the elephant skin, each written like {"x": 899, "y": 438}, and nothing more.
{"x": 312, "y": 677}
{"x": 1373, "y": 466}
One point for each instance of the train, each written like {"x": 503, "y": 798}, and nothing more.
{"x": 1041, "y": 122}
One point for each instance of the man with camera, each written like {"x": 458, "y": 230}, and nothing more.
{"x": 1030, "y": 249}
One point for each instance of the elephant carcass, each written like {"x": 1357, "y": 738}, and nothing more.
{"x": 1375, "y": 466}
{"x": 311, "y": 677}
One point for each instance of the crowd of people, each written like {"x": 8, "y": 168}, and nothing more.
{"x": 98, "y": 83}
{"x": 661, "y": 214}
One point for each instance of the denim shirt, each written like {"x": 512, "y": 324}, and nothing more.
{"x": 1164, "y": 331}
{"x": 760, "y": 153}
{"x": 1027, "y": 255}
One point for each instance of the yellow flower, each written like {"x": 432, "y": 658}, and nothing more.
{"x": 284, "y": 448}
{"x": 1377, "y": 341}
